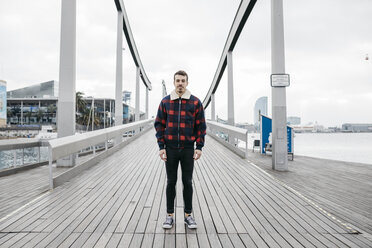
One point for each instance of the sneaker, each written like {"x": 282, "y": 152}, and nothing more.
{"x": 168, "y": 222}
{"x": 190, "y": 222}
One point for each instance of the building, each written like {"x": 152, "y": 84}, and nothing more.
{"x": 293, "y": 120}
{"x": 27, "y": 106}
{"x": 356, "y": 127}
{"x": 260, "y": 107}
{"x": 43, "y": 90}
{"x": 2, "y": 103}
{"x": 127, "y": 96}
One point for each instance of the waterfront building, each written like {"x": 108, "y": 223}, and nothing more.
{"x": 293, "y": 120}
{"x": 38, "y": 104}
{"x": 356, "y": 127}
{"x": 2, "y": 103}
{"x": 260, "y": 107}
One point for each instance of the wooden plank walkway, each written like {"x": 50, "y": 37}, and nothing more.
{"x": 342, "y": 188}
{"x": 20, "y": 188}
{"x": 121, "y": 203}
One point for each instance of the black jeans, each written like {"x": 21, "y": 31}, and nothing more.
{"x": 174, "y": 156}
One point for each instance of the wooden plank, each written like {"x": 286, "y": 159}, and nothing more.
{"x": 284, "y": 213}
{"x": 12, "y": 239}
{"x": 159, "y": 240}
{"x": 203, "y": 240}
{"x": 136, "y": 240}
{"x": 181, "y": 240}
{"x": 114, "y": 240}
{"x": 192, "y": 240}
{"x": 155, "y": 208}
{"x": 214, "y": 240}
{"x": 290, "y": 238}
{"x": 180, "y": 223}
{"x": 170, "y": 240}
{"x": 148, "y": 240}
{"x": 103, "y": 240}
{"x": 247, "y": 240}
{"x": 235, "y": 239}
{"x": 36, "y": 240}
{"x": 24, "y": 240}
{"x": 69, "y": 240}
{"x": 225, "y": 241}
{"x": 125, "y": 240}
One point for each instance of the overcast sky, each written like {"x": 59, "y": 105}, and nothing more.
{"x": 326, "y": 44}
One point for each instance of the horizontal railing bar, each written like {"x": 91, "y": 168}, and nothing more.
{"x": 64, "y": 146}
{"x": 238, "y": 132}
{"x": 13, "y": 144}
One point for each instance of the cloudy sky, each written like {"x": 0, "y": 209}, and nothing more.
{"x": 326, "y": 47}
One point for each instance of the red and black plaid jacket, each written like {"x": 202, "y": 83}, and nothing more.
{"x": 180, "y": 122}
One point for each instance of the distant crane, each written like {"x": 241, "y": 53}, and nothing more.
{"x": 164, "y": 89}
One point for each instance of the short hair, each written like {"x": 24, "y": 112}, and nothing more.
{"x": 182, "y": 73}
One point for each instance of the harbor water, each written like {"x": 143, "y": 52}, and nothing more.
{"x": 350, "y": 147}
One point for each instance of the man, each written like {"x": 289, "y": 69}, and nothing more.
{"x": 179, "y": 124}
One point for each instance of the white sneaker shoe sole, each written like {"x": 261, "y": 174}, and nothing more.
{"x": 167, "y": 226}
{"x": 191, "y": 226}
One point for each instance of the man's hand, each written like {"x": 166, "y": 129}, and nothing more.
{"x": 197, "y": 154}
{"x": 163, "y": 154}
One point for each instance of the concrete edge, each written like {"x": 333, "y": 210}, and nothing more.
{"x": 73, "y": 172}
{"x": 10, "y": 171}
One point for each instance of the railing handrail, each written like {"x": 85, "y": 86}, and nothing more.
{"x": 241, "y": 17}
{"x": 238, "y": 132}
{"x": 20, "y": 143}
{"x": 64, "y": 146}
{"x": 232, "y": 132}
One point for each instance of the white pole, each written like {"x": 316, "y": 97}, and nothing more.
{"x": 67, "y": 76}
{"x": 137, "y": 111}
{"x": 279, "y": 107}
{"x": 230, "y": 90}
{"x": 21, "y": 112}
{"x": 119, "y": 76}
{"x": 92, "y": 106}
{"x": 104, "y": 113}
{"x": 213, "y": 108}
{"x": 51, "y": 186}
{"x": 147, "y": 103}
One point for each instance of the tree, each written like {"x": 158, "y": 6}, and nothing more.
{"x": 81, "y": 104}
{"x": 51, "y": 110}
{"x": 40, "y": 114}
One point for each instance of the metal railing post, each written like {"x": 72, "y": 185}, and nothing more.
{"x": 230, "y": 90}
{"x": 137, "y": 110}
{"x": 50, "y": 154}
{"x": 213, "y": 109}
{"x": 15, "y": 157}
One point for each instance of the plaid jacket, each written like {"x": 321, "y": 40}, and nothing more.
{"x": 180, "y": 122}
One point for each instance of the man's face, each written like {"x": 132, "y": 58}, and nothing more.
{"x": 180, "y": 84}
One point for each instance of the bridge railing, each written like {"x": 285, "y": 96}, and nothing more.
{"x": 10, "y": 161}
{"x": 230, "y": 136}
{"x": 70, "y": 145}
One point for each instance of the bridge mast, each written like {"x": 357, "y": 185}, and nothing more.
{"x": 279, "y": 107}
{"x": 119, "y": 75}
{"x": 67, "y": 77}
